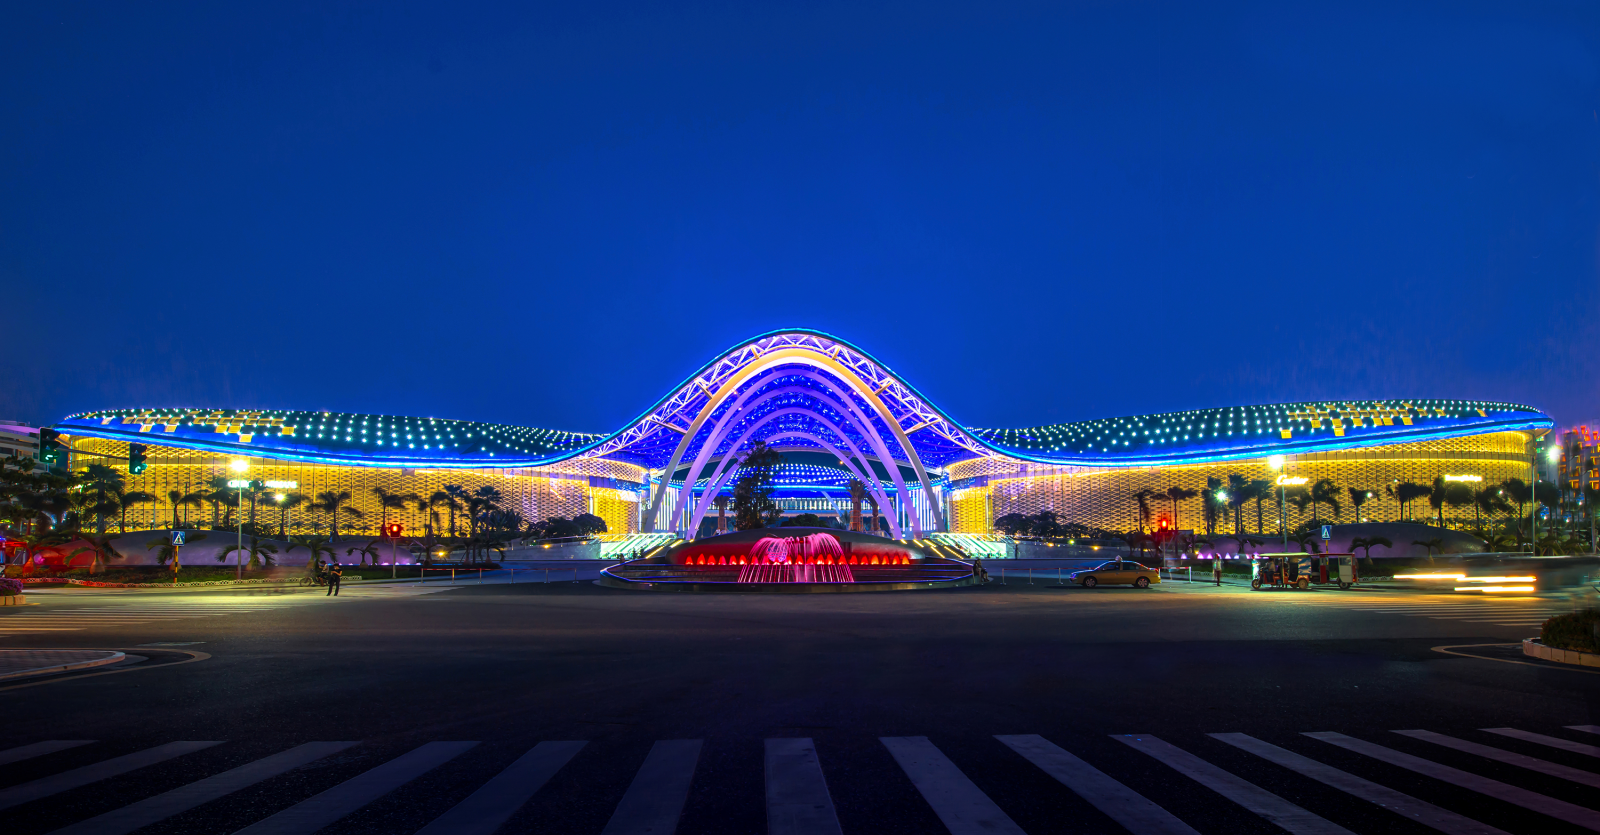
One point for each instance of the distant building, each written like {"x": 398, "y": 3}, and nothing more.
{"x": 19, "y": 440}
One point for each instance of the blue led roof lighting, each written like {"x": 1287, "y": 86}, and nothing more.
{"x": 812, "y": 388}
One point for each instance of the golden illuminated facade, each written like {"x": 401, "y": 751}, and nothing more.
{"x": 565, "y": 489}
{"x": 988, "y": 488}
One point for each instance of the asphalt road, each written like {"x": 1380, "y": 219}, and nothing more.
{"x": 509, "y": 667}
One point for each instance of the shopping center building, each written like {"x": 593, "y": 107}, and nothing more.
{"x": 838, "y": 415}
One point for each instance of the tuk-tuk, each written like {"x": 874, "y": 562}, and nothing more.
{"x": 1300, "y": 570}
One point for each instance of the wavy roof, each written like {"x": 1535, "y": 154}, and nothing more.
{"x": 796, "y": 386}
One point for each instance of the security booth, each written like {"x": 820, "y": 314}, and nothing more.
{"x": 1301, "y": 570}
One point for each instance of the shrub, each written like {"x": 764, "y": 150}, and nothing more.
{"x": 1574, "y": 631}
{"x": 9, "y": 587}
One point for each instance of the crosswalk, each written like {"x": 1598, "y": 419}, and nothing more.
{"x": 122, "y": 612}
{"x": 798, "y": 800}
{"x": 1493, "y": 611}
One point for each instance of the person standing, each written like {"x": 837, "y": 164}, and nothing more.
{"x": 1216, "y": 569}
{"x": 335, "y": 573}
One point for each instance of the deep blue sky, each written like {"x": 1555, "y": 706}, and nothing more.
{"x": 1035, "y": 213}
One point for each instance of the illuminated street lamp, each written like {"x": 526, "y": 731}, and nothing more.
{"x": 1276, "y": 463}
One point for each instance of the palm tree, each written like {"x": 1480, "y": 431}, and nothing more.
{"x": 446, "y": 499}
{"x": 1324, "y": 492}
{"x": 261, "y": 553}
{"x": 1175, "y": 495}
{"x": 388, "y": 501}
{"x": 858, "y": 492}
{"x": 317, "y": 545}
{"x": 1367, "y": 543}
{"x": 1488, "y": 501}
{"x": 100, "y": 547}
{"x": 1406, "y": 492}
{"x": 1434, "y": 544}
{"x": 484, "y": 499}
{"x": 216, "y": 492}
{"x": 461, "y": 496}
{"x": 1259, "y": 489}
{"x": 103, "y": 482}
{"x": 167, "y": 552}
{"x": 1238, "y": 494}
{"x": 1143, "y": 498}
{"x": 424, "y": 507}
{"x": 332, "y": 503}
{"x": 1358, "y": 497}
{"x": 1209, "y": 497}
{"x": 368, "y": 550}
{"x": 178, "y": 498}
{"x": 289, "y": 502}
{"x": 127, "y": 500}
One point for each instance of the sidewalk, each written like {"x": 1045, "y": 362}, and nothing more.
{"x": 24, "y": 663}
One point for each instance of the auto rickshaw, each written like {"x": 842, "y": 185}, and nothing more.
{"x": 1299, "y": 570}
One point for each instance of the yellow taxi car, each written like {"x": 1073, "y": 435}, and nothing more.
{"x": 1116, "y": 572}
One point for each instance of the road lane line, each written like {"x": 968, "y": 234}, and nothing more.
{"x": 1404, "y": 805}
{"x": 654, "y": 800}
{"x": 1122, "y": 804}
{"x": 1588, "y": 729}
{"x": 1240, "y": 791}
{"x": 962, "y": 806}
{"x": 1553, "y": 742}
{"x": 798, "y": 802}
{"x": 78, "y": 777}
{"x": 39, "y": 749}
{"x": 314, "y": 813}
{"x": 182, "y": 799}
{"x": 1576, "y": 775}
{"x": 1545, "y": 805}
{"x": 487, "y": 809}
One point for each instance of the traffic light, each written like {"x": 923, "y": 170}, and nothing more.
{"x": 50, "y": 446}
{"x": 393, "y": 529}
{"x": 137, "y": 462}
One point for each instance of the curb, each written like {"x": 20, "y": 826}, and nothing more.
{"x": 1533, "y": 648}
{"x": 62, "y": 668}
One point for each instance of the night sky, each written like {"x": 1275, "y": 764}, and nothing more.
{"x": 1034, "y": 213}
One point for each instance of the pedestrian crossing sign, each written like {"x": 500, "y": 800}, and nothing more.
{"x": 1327, "y": 531}
{"x": 177, "y": 538}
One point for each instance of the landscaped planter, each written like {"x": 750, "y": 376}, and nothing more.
{"x": 1531, "y": 646}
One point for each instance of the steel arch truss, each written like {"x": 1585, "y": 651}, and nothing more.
{"x": 830, "y": 396}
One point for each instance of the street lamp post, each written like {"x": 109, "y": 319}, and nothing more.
{"x": 1276, "y": 462}
{"x": 239, "y": 465}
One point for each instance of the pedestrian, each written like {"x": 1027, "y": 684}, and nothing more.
{"x": 979, "y": 571}
{"x": 334, "y": 575}
{"x": 1216, "y": 568}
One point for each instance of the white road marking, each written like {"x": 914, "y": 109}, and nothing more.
{"x": 79, "y": 777}
{"x": 654, "y": 800}
{"x": 1576, "y": 775}
{"x": 1240, "y": 791}
{"x": 1405, "y": 805}
{"x": 798, "y": 802}
{"x": 1124, "y": 805}
{"x": 485, "y": 810}
{"x": 1553, "y": 742}
{"x": 182, "y": 799}
{"x": 39, "y": 749}
{"x": 961, "y": 806}
{"x": 1559, "y": 809}
{"x": 314, "y": 813}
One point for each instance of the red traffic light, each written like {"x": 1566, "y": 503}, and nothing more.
{"x": 393, "y": 530}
